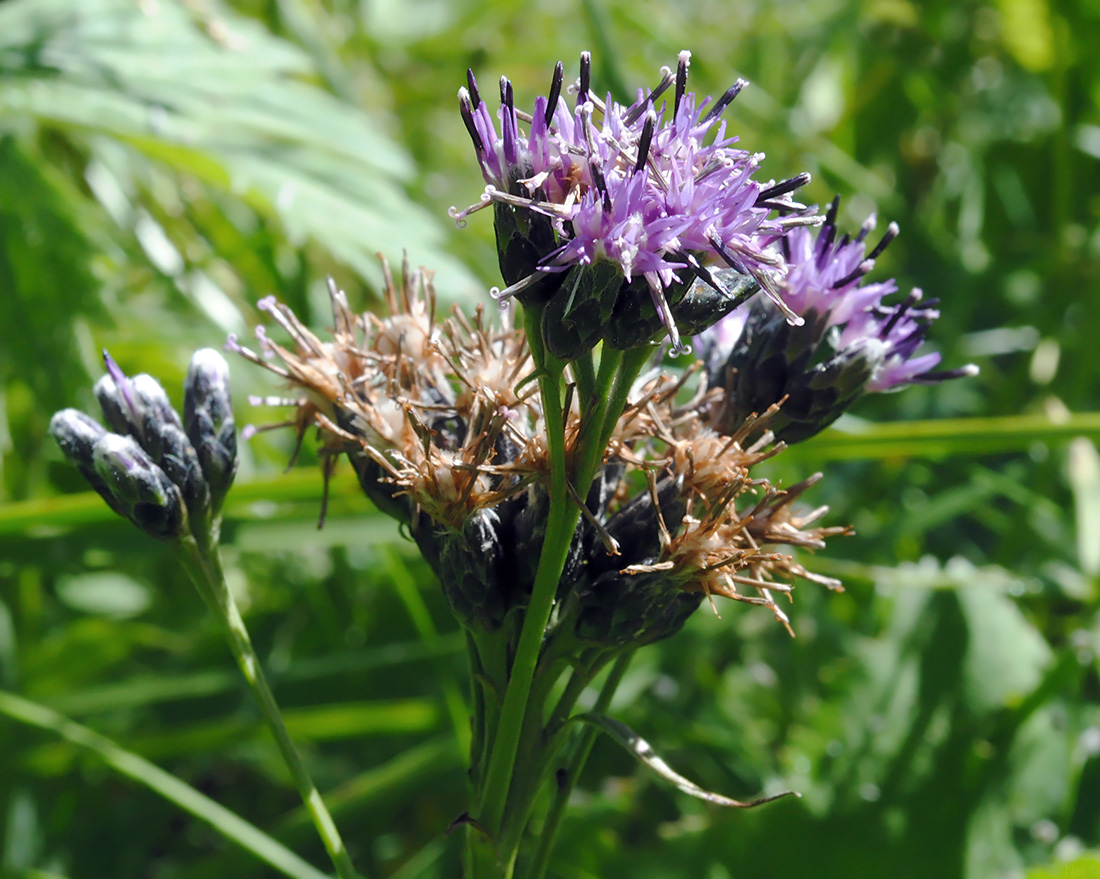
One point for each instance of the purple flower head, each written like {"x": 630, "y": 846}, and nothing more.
{"x": 824, "y": 284}
{"x": 659, "y": 191}
{"x": 852, "y": 340}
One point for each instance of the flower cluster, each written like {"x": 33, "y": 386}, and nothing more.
{"x": 644, "y": 196}
{"x": 575, "y": 496}
{"x": 446, "y": 437}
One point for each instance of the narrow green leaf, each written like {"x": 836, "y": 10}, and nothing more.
{"x": 229, "y": 824}
{"x": 415, "y": 765}
{"x": 1084, "y": 867}
{"x": 946, "y": 437}
{"x": 644, "y": 753}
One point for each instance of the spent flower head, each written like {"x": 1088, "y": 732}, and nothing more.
{"x": 657, "y": 189}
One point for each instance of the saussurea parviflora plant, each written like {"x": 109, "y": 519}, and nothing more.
{"x": 578, "y": 493}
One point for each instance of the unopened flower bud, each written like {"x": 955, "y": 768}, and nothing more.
{"x": 208, "y": 418}
{"x": 180, "y": 462}
{"x": 469, "y": 563}
{"x": 140, "y": 490}
{"x": 621, "y": 609}
{"x": 136, "y": 406}
{"x": 76, "y": 434}
{"x": 139, "y": 407}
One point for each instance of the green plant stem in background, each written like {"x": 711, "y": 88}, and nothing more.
{"x": 932, "y": 439}
{"x": 422, "y": 620}
{"x": 203, "y": 565}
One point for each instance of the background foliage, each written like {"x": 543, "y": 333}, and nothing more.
{"x": 164, "y": 163}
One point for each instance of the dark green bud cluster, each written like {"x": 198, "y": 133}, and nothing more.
{"x": 471, "y": 563}
{"x": 150, "y": 468}
{"x": 614, "y": 608}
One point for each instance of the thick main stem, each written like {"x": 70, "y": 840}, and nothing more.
{"x": 535, "y": 868}
{"x": 488, "y": 852}
{"x": 205, "y": 571}
{"x": 561, "y": 523}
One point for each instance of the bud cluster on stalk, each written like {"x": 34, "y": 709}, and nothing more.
{"x": 165, "y": 474}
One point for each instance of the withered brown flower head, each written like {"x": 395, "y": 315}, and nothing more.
{"x": 446, "y": 432}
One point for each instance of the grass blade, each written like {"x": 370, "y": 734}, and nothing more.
{"x": 227, "y": 823}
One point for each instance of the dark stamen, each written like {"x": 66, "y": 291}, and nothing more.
{"x": 475, "y": 95}
{"x": 931, "y": 378}
{"x": 636, "y": 113}
{"x": 785, "y": 248}
{"x": 783, "y": 188}
{"x": 467, "y": 112}
{"x": 700, "y": 271}
{"x": 600, "y": 183}
{"x": 890, "y": 234}
{"x": 555, "y": 92}
{"x": 727, "y": 257}
{"x": 647, "y": 137}
{"x": 732, "y": 92}
{"x": 866, "y": 229}
{"x": 507, "y": 98}
{"x": 858, "y": 272}
{"x": 586, "y": 77}
{"x": 828, "y": 233}
{"x": 912, "y": 299}
{"x": 681, "y": 82}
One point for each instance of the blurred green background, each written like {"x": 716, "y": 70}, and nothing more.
{"x": 164, "y": 164}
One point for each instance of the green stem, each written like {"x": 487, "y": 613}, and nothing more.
{"x": 224, "y": 821}
{"x": 561, "y": 523}
{"x": 205, "y": 571}
{"x": 534, "y": 746}
{"x": 542, "y": 741}
{"x": 582, "y": 676}
{"x": 618, "y": 369}
{"x": 585, "y": 374}
{"x": 487, "y": 853}
{"x": 535, "y": 868}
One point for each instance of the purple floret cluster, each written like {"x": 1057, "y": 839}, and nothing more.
{"x": 659, "y": 189}
{"x": 824, "y": 275}
{"x": 655, "y": 190}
